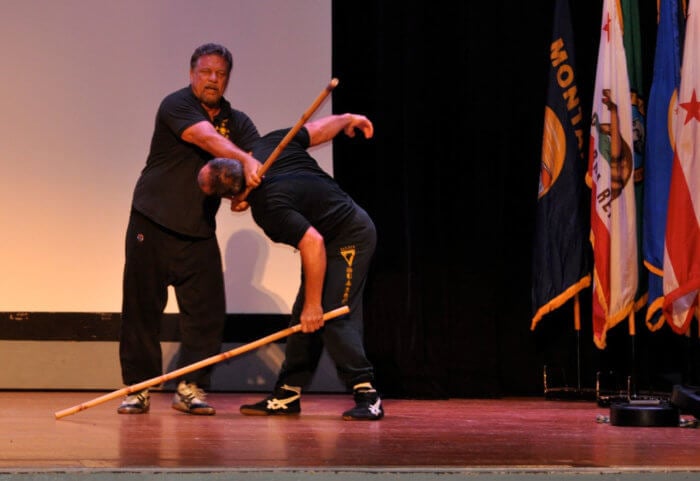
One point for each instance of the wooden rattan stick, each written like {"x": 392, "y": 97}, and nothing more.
{"x": 193, "y": 367}
{"x": 290, "y": 135}
{"x": 300, "y": 123}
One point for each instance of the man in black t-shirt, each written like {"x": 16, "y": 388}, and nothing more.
{"x": 299, "y": 204}
{"x": 170, "y": 238}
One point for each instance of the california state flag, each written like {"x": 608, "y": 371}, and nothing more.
{"x": 682, "y": 247}
{"x": 610, "y": 168}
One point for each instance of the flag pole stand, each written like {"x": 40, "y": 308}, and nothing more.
{"x": 570, "y": 393}
{"x": 635, "y": 409}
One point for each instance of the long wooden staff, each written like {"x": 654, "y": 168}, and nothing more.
{"x": 300, "y": 123}
{"x": 193, "y": 367}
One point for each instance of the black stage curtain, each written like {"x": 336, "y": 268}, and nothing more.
{"x": 456, "y": 90}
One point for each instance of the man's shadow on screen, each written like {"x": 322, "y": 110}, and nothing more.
{"x": 244, "y": 257}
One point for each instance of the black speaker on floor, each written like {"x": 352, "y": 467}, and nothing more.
{"x": 686, "y": 399}
{"x": 647, "y": 413}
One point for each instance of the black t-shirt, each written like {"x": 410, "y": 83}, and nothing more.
{"x": 296, "y": 193}
{"x": 167, "y": 190}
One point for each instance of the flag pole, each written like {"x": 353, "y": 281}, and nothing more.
{"x": 632, "y": 388}
{"x": 577, "y": 328}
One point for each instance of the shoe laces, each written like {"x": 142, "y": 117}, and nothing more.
{"x": 191, "y": 392}
{"x": 139, "y": 397}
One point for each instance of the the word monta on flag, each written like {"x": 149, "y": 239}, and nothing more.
{"x": 681, "y": 276}
{"x": 610, "y": 167}
{"x": 561, "y": 257}
{"x": 659, "y": 152}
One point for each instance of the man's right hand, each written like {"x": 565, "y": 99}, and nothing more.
{"x": 251, "y": 166}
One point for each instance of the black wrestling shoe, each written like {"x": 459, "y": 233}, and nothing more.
{"x": 137, "y": 403}
{"x": 284, "y": 401}
{"x": 190, "y": 399}
{"x": 368, "y": 406}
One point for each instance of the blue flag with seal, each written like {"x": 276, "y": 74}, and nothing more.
{"x": 561, "y": 261}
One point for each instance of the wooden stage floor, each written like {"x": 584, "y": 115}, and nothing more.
{"x": 458, "y": 436}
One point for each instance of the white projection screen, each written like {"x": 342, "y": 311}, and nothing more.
{"x": 81, "y": 81}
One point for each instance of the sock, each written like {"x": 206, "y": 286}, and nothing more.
{"x": 364, "y": 386}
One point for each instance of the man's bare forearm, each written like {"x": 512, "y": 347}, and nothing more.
{"x": 326, "y": 128}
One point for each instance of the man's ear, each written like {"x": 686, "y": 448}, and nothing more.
{"x": 202, "y": 178}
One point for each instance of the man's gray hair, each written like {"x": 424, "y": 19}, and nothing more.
{"x": 212, "y": 49}
{"x": 225, "y": 177}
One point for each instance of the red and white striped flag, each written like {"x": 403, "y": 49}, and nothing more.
{"x": 610, "y": 168}
{"x": 682, "y": 247}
